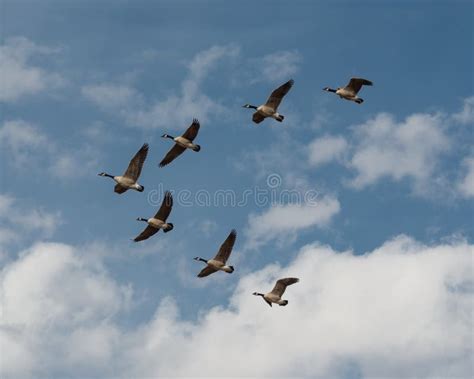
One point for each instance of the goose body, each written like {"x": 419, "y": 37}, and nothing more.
{"x": 158, "y": 221}
{"x": 350, "y": 91}
{"x": 274, "y": 296}
{"x": 218, "y": 263}
{"x": 270, "y": 108}
{"x": 182, "y": 143}
{"x": 129, "y": 180}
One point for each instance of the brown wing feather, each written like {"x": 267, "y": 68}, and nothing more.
{"x": 226, "y": 248}
{"x": 147, "y": 233}
{"x": 175, "y": 151}
{"x": 275, "y": 98}
{"x": 258, "y": 118}
{"x": 134, "y": 168}
{"x": 119, "y": 189}
{"x": 281, "y": 285}
{"x": 192, "y": 131}
{"x": 165, "y": 208}
{"x": 208, "y": 270}
{"x": 355, "y": 84}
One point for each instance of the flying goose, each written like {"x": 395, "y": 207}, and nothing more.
{"x": 269, "y": 109}
{"x": 129, "y": 179}
{"x": 219, "y": 261}
{"x": 350, "y": 91}
{"x": 182, "y": 143}
{"x": 277, "y": 292}
{"x": 159, "y": 221}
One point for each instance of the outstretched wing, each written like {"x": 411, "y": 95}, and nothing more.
{"x": 147, "y": 233}
{"x": 119, "y": 189}
{"x": 175, "y": 151}
{"x": 258, "y": 117}
{"x": 192, "y": 131}
{"x": 275, "y": 98}
{"x": 226, "y": 248}
{"x": 355, "y": 84}
{"x": 206, "y": 271}
{"x": 135, "y": 166}
{"x": 165, "y": 208}
{"x": 281, "y": 285}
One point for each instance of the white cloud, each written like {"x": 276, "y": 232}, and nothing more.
{"x": 27, "y": 145}
{"x": 111, "y": 97}
{"x": 280, "y": 65}
{"x": 22, "y": 140}
{"x": 19, "y": 77}
{"x": 466, "y": 184}
{"x": 281, "y": 222}
{"x": 175, "y": 111}
{"x": 57, "y": 312}
{"x": 19, "y": 220}
{"x": 403, "y": 310}
{"x": 398, "y": 150}
{"x": 466, "y": 116}
{"x": 326, "y": 149}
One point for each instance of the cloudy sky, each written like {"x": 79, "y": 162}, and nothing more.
{"x": 371, "y": 205}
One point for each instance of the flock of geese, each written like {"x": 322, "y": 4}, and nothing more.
{"x": 129, "y": 181}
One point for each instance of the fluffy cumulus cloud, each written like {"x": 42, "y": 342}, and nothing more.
{"x": 397, "y": 150}
{"x": 175, "y": 110}
{"x": 326, "y": 149}
{"x": 282, "y": 222}
{"x": 402, "y": 310}
{"x": 19, "y": 76}
{"x": 57, "y": 312}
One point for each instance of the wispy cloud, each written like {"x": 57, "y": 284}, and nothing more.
{"x": 19, "y": 76}
{"x": 466, "y": 184}
{"x": 326, "y": 149}
{"x": 27, "y": 145}
{"x": 178, "y": 108}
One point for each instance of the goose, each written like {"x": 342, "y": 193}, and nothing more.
{"x": 269, "y": 109}
{"x": 159, "y": 220}
{"x": 349, "y": 92}
{"x": 218, "y": 263}
{"x": 277, "y": 292}
{"x": 182, "y": 143}
{"x": 129, "y": 179}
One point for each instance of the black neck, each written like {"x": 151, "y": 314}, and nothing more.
{"x": 109, "y": 176}
{"x": 253, "y": 107}
{"x": 200, "y": 259}
{"x": 331, "y": 90}
{"x": 170, "y": 137}
{"x": 142, "y": 219}
{"x": 260, "y": 294}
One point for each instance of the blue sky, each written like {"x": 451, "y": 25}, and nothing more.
{"x": 85, "y": 84}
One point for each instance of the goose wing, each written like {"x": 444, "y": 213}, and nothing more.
{"x": 119, "y": 189}
{"x": 175, "y": 151}
{"x": 281, "y": 285}
{"x": 277, "y": 95}
{"x": 165, "y": 208}
{"x": 206, "y": 271}
{"x": 355, "y": 84}
{"x": 258, "y": 117}
{"x": 192, "y": 131}
{"x": 135, "y": 166}
{"x": 147, "y": 233}
{"x": 226, "y": 248}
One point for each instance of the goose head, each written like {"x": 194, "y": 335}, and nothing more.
{"x": 142, "y": 219}
{"x": 257, "y": 294}
{"x": 249, "y": 106}
{"x": 167, "y": 136}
